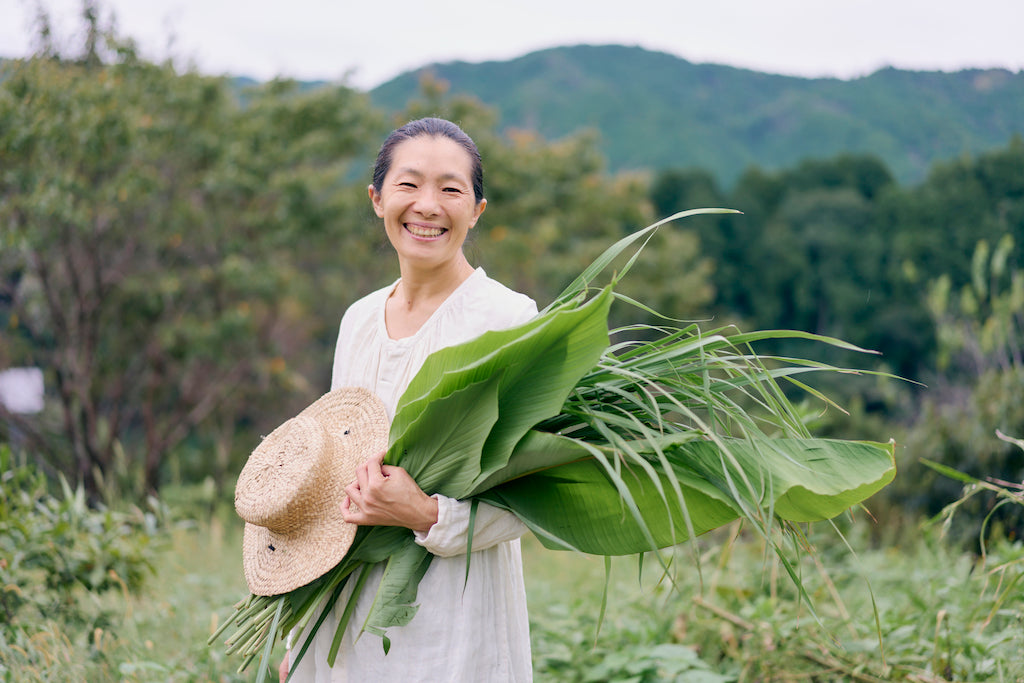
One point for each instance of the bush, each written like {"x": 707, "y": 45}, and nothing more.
{"x": 58, "y": 555}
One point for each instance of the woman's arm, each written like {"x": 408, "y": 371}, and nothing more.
{"x": 450, "y": 535}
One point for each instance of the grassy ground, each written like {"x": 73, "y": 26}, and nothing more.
{"x": 941, "y": 616}
{"x": 200, "y": 575}
{"x": 914, "y": 612}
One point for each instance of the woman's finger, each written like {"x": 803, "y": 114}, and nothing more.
{"x": 374, "y": 468}
{"x": 347, "y": 513}
{"x": 352, "y": 491}
{"x": 362, "y": 477}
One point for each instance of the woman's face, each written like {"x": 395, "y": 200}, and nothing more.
{"x": 427, "y": 202}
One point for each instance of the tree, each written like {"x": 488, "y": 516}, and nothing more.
{"x": 978, "y": 393}
{"x": 834, "y": 246}
{"x": 146, "y": 222}
{"x": 806, "y": 246}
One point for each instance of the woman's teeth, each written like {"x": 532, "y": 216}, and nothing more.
{"x": 421, "y": 231}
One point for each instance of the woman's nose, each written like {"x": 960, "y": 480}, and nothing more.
{"x": 427, "y": 202}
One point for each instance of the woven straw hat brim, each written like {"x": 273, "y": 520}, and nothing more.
{"x": 297, "y": 558}
{"x": 291, "y": 489}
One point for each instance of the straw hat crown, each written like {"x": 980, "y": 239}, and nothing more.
{"x": 290, "y": 491}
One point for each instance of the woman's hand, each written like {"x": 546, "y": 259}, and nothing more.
{"x": 385, "y": 495}
{"x": 282, "y": 669}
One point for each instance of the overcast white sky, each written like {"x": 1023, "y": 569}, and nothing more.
{"x": 374, "y": 40}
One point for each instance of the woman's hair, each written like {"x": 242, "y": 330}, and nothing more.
{"x": 432, "y": 127}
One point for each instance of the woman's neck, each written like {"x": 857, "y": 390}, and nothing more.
{"x": 419, "y": 293}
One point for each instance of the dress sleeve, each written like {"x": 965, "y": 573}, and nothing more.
{"x": 450, "y": 534}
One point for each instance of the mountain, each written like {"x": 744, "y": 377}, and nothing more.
{"x": 656, "y": 111}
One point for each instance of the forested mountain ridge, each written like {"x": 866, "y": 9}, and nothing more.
{"x": 656, "y": 111}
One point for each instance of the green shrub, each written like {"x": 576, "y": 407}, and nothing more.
{"x": 58, "y": 554}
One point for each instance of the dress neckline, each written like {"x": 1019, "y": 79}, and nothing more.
{"x": 382, "y": 325}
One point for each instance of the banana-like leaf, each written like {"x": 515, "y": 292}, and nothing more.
{"x": 523, "y": 374}
{"x": 395, "y": 602}
{"x": 578, "y": 505}
{"x": 442, "y": 448}
{"x": 537, "y": 451}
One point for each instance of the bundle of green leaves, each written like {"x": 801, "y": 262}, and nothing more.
{"x": 605, "y": 443}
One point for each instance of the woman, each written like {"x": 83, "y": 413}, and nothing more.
{"x": 428, "y": 189}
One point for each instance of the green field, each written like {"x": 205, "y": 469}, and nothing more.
{"x": 941, "y": 615}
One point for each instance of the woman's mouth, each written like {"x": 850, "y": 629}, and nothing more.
{"x": 424, "y": 231}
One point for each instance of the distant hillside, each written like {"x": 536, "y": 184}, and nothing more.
{"x": 656, "y": 110}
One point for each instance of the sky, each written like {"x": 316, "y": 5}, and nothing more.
{"x": 366, "y": 43}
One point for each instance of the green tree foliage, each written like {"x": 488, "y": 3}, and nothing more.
{"x": 979, "y": 393}
{"x": 148, "y": 225}
{"x": 810, "y": 243}
{"x": 931, "y": 230}
{"x": 939, "y": 222}
{"x": 556, "y": 209}
{"x": 808, "y": 252}
{"x": 837, "y": 247}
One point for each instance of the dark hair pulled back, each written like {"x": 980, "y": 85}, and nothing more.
{"x": 432, "y": 127}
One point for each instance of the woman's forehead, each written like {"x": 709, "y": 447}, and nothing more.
{"x": 432, "y": 155}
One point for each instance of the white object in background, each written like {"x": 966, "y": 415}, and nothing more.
{"x": 21, "y": 390}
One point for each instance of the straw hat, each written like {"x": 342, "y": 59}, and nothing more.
{"x": 290, "y": 491}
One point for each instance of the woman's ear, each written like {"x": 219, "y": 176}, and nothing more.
{"x": 479, "y": 210}
{"x": 375, "y": 199}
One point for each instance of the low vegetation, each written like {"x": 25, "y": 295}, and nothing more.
{"x": 917, "y": 610}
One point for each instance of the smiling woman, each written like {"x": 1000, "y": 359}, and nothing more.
{"x": 606, "y": 448}
{"x": 428, "y": 189}
{"x": 429, "y": 199}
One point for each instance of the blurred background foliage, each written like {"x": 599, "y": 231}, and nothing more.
{"x": 177, "y": 252}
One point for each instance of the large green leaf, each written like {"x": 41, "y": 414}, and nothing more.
{"x": 441, "y": 447}
{"x": 395, "y": 602}
{"x": 579, "y": 505}
{"x": 524, "y": 373}
{"x": 537, "y": 451}
{"x": 803, "y": 480}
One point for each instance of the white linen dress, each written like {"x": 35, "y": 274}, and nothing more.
{"x": 465, "y": 632}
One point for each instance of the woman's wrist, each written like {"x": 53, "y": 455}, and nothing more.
{"x": 428, "y": 515}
